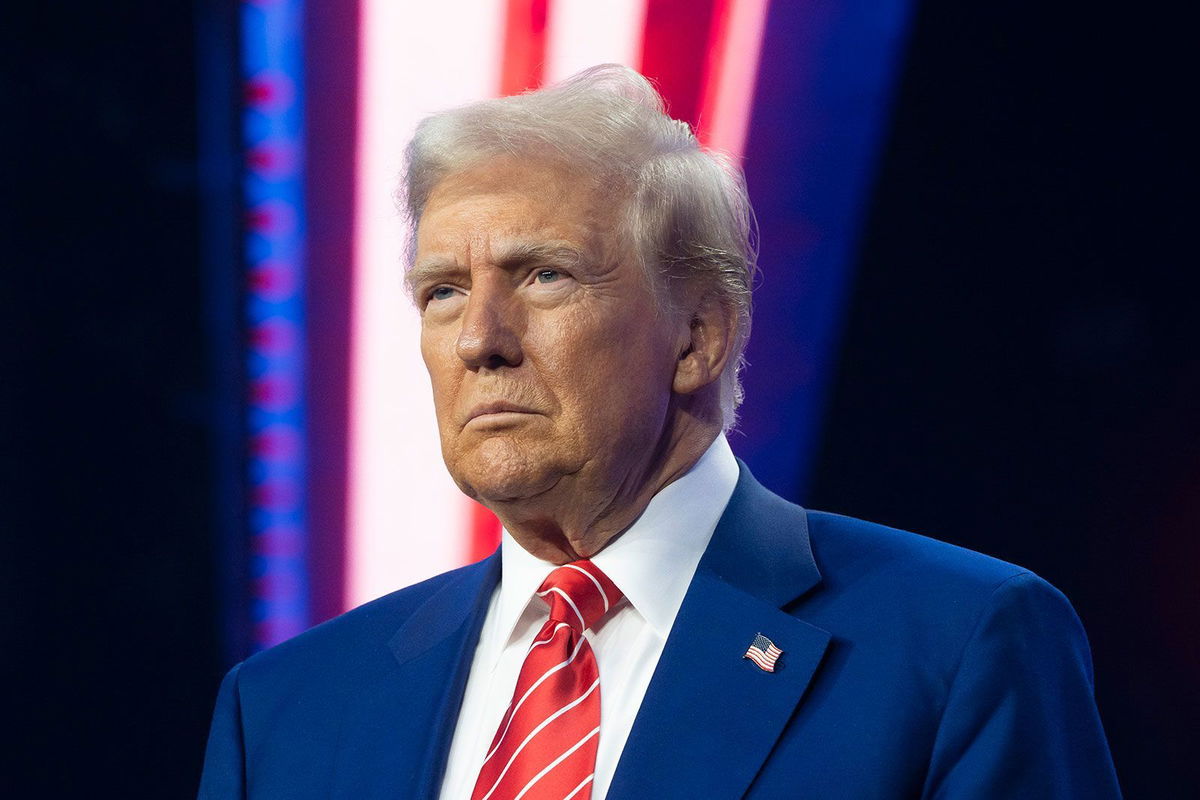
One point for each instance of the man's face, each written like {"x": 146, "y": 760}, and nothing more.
{"x": 551, "y": 363}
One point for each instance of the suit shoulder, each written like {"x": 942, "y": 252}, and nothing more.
{"x": 870, "y": 566}
{"x": 846, "y": 548}
{"x": 362, "y": 632}
{"x": 891, "y": 591}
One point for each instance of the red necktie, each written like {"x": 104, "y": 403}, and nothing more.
{"x": 546, "y": 744}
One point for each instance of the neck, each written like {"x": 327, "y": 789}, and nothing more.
{"x": 583, "y": 513}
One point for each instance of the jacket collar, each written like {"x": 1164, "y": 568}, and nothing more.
{"x": 761, "y": 545}
{"x": 396, "y": 732}
{"x": 717, "y": 713}
{"x": 461, "y": 602}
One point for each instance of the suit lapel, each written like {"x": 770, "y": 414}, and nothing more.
{"x": 710, "y": 717}
{"x": 401, "y": 725}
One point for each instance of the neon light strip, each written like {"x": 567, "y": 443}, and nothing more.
{"x": 732, "y": 74}
{"x": 524, "y": 46}
{"x": 584, "y": 33}
{"x": 273, "y": 192}
{"x": 406, "y": 520}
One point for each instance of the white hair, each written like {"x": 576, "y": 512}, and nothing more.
{"x": 685, "y": 208}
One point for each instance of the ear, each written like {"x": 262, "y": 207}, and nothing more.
{"x": 702, "y": 358}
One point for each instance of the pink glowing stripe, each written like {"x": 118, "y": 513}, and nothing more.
{"x": 405, "y": 520}
{"x": 584, "y": 33}
{"x": 729, "y": 83}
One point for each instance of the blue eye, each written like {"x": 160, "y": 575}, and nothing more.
{"x": 441, "y": 293}
{"x": 548, "y": 275}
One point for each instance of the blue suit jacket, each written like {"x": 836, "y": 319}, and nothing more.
{"x": 910, "y": 668}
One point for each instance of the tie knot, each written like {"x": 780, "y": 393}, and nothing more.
{"x": 579, "y": 594}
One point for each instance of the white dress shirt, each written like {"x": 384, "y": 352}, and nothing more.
{"x": 652, "y": 563}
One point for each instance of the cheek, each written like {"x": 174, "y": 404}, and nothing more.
{"x": 605, "y": 372}
{"x": 437, "y": 350}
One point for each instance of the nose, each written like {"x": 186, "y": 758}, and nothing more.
{"x": 489, "y": 337}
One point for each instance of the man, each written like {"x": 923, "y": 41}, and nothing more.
{"x": 655, "y": 624}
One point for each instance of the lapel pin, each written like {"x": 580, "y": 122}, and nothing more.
{"x": 764, "y": 653}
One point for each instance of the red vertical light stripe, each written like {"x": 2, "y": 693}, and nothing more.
{"x": 675, "y": 52}
{"x": 485, "y": 533}
{"x": 715, "y": 52}
{"x": 524, "y": 61}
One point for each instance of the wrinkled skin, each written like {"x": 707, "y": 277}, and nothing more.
{"x": 566, "y": 394}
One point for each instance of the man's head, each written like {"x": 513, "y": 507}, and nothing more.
{"x": 583, "y": 271}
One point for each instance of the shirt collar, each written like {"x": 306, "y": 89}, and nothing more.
{"x": 652, "y": 563}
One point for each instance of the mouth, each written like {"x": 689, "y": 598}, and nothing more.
{"x": 497, "y": 411}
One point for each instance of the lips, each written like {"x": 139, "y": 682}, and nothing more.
{"x": 497, "y": 407}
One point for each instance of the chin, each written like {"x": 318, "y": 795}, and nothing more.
{"x": 500, "y": 470}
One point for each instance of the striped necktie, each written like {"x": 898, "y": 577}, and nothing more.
{"x": 546, "y": 744}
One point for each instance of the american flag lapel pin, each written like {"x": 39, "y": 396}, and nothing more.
{"x": 763, "y": 652}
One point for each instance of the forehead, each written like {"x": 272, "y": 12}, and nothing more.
{"x": 508, "y": 198}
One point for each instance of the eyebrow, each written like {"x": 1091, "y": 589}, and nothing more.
{"x": 511, "y": 257}
{"x": 521, "y": 254}
{"x": 429, "y": 269}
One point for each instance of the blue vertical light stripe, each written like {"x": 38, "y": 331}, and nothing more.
{"x": 820, "y": 112}
{"x": 273, "y": 185}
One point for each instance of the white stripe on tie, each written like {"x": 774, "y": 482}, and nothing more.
{"x": 524, "y": 697}
{"x": 559, "y": 626}
{"x": 556, "y": 762}
{"x": 534, "y": 733}
{"x": 584, "y": 783}
{"x": 592, "y": 578}
{"x": 570, "y": 602}
{"x": 536, "y": 643}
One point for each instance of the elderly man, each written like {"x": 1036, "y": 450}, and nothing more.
{"x": 655, "y": 624}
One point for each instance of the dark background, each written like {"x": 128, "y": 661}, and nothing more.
{"x": 1018, "y": 371}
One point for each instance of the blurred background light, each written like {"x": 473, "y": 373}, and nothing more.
{"x": 273, "y": 194}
